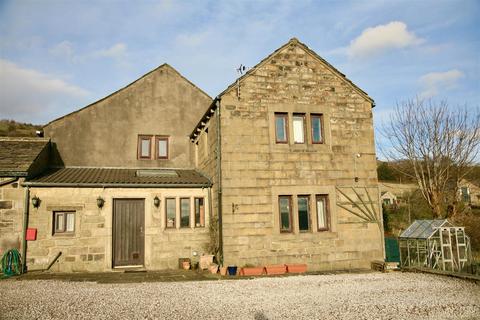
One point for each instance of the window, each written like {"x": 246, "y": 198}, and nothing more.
{"x": 322, "y": 212}
{"x": 299, "y": 128}
{"x": 171, "y": 212}
{"x": 284, "y": 206}
{"x": 317, "y": 128}
{"x": 162, "y": 147}
{"x": 63, "y": 222}
{"x": 465, "y": 194}
{"x": 281, "y": 127}
{"x": 199, "y": 212}
{"x": 144, "y": 147}
{"x": 184, "y": 212}
{"x": 303, "y": 213}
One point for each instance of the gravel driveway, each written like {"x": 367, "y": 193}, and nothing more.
{"x": 341, "y": 296}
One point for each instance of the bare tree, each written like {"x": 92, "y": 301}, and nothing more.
{"x": 438, "y": 144}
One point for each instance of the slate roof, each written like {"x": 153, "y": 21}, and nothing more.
{"x": 120, "y": 177}
{"x": 18, "y": 154}
{"x": 423, "y": 229}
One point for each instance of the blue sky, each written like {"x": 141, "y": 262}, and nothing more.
{"x": 58, "y": 56}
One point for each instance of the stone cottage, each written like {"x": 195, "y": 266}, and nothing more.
{"x": 278, "y": 168}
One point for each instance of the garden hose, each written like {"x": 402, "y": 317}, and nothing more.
{"x": 11, "y": 263}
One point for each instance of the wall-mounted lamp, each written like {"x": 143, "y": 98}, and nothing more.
{"x": 156, "y": 201}
{"x": 100, "y": 202}
{"x": 36, "y": 202}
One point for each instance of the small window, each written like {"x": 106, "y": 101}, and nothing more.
{"x": 162, "y": 147}
{"x": 299, "y": 128}
{"x": 144, "y": 147}
{"x": 63, "y": 222}
{"x": 284, "y": 206}
{"x": 303, "y": 213}
{"x": 199, "y": 212}
{"x": 322, "y": 212}
{"x": 171, "y": 212}
{"x": 184, "y": 212}
{"x": 317, "y": 128}
{"x": 281, "y": 127}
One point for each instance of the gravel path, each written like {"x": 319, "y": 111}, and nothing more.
{"x": 341, "y": 296}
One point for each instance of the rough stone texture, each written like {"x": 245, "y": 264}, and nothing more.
{"x": 256, "y": 170}
{"x": 345, "y": 296}
{"x": 105, "y": 133}
{"x": 90, "y": 248}
{"x": 11, "y": 216}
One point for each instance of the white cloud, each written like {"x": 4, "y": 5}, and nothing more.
{"x": 193, "y": 39}
{"x": 434, "y": 82}
{"x": 372, "y": 41}
{"x": 27, "y": 92}
{"x": 63, "y": 49}
{"x": 117, "y": 51}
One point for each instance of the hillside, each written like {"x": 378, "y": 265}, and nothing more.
{"x": 11, "y": 128}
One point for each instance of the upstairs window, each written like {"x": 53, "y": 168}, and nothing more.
{"x": 317, "y": 128}
{"x": 322, "y": 212}
{"x": 144, "y": 147}
{"x": 281, "y": 127}
{"x": 162, "y": 147}
{"x": 299, "y": 128}
{"x": 285, "y": 208}
{"x": 303, "y": 213}
{"x": 152, "y": 147}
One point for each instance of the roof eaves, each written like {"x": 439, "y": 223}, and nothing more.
{"x": 205, "y": 119}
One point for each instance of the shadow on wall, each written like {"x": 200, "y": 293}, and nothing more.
{"x": 55, "y": 157}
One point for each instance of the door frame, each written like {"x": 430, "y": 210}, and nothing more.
{"x": 113, "y": 233}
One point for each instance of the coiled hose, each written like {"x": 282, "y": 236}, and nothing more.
{"x": 11, "y": 263}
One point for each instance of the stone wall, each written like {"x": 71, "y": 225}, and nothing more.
{"x": 90, "y": 247}
{"x": 11, "y": 216}
{"x": 256, "y": 170}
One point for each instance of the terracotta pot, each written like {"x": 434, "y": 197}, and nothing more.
{"x": 205, "y": 261}
{"x": 186, "y": 265}
{"x": 296, "y": 268}
{"x": 223, "y": 271}
{"x": 275, "y": 269}
{"x": 252, "y": 271}
{"x": 213, "y": 268}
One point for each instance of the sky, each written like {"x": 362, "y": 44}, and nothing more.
{"x": 58, "y": 56}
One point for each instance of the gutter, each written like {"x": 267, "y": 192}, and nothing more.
{"x": 219, "y": 178}
{"x": 24, "y": 233}
{"x": 114, "y": 185}
{"x": 8, "y": 181}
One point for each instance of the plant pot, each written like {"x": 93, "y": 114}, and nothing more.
{"x": 275, "y": 269}
{"x": 186, "y": 265}
{"x": 296, "y": 268}
{"x": 213, "y": 268}
{"x": 232, "y": 270}
{"x": 205, "y": 261}
{"x": 252, "y": 271}
{"x": 223, "y": 271}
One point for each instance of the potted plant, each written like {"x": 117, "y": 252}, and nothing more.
{"x": 223, "y": 271}
{"x": 250, "y": 270}
{"x": 275, "y": 269}
{"x": 232, "y": 270}
{"x": 186, "y": 265}
{"x": 213, "y": 268}
{"x": 296, "y": 268}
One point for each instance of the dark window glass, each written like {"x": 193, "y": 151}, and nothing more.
{"x": 170, "y": 207}
{"x": 284, "y": 204}
{"x": 303, "y": 213}
{"x": 317, "y": 136}
{"x": 281, "y": 128}
{"x": 199, "y": 213}
{"x": 184, "y": 212}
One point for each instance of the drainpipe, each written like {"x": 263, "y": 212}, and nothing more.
{"x": 219, "y": 178}
{"x": 25, "y": 225}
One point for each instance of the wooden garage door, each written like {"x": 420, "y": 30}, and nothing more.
{"x": 128, "y": 232}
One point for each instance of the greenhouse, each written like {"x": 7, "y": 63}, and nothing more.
{"x": 435, "y": 244}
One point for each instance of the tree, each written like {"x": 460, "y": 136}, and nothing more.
{"x": 438, "y": 144}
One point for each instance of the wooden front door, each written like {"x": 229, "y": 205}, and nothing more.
{"x": 128, "y": 232}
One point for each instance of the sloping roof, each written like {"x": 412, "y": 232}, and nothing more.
{"x": 165, "y": 65}
{"x": 311, "y": 52}
{"x": 423, "y": 229}
{"x": 120, "y": 177}
{"x": 18, "y": 154}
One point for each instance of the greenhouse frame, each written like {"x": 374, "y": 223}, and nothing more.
{"x": 435, "y": 244}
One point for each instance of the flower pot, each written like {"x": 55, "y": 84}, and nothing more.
{"x": 275, "y": 269}
{"x": 213, "y": 268}
{"x": 296, "y": 268}
{"x": 223, "y": 271}
{"x": 252, "y": 271}
{"x": 232, "y": 270}
{"x": 186, "y": 265}
{"x": 205, "y": 261}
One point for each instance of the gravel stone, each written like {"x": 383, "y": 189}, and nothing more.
{"x": 340, "y": 296}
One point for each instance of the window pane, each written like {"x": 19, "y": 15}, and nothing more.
{"x": 303, "y": 216}
{"x": 184, "y": 212}
{"x": 298, "y": 129}
{"x": 280, "y": 128}
{"x": 284, "y": 207}
{"x": 70, "y": 222}
{"x": 162, "y": 148}
{"x": 171, "y": 212}
{"x": 60, "y": 222}
{"x": 316, "y": 129}
{"x": 145, "y": 148}
{"x": 199, "y": 213}
{"x": 322, "y": 212}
